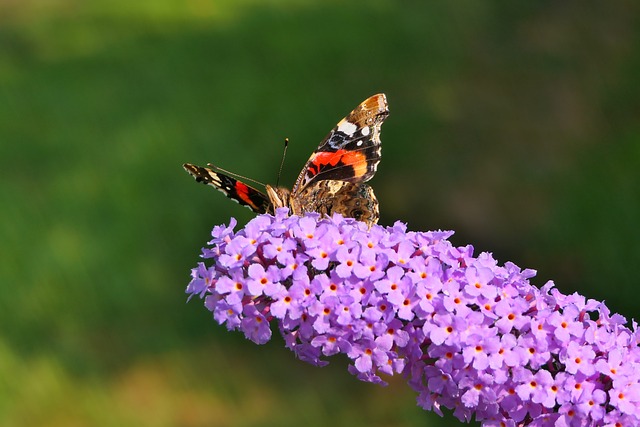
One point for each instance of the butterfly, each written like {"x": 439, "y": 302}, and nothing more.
{"x": 332, "y": 180}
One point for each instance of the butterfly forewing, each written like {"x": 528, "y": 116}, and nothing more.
{"x": 231, "y": 187}
{"x": 351, "y": 152}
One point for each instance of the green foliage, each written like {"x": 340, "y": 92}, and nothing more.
{"x": 516, "y": 126}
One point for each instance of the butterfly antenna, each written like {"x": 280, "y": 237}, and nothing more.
{"x": 235, "y": 175}
{"x": 284, "y": 153}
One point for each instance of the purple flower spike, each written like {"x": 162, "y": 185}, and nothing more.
{"x": 468, "y": 334}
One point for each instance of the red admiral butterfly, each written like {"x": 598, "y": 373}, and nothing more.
{"x": 332, "y": 180}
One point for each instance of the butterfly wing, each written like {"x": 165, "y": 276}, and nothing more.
{"x": 231, "y": 187}
{"x": 351, "y": 152}
{"x": 350, "y": 199}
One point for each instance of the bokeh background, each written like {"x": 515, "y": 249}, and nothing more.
{"x": 516, "y": 124}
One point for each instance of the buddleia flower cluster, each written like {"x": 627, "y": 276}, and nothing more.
{"x": 469, "y": 334}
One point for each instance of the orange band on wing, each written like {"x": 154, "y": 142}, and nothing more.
{"x": 243, "y": 193}
{"x": 355, "y": 159}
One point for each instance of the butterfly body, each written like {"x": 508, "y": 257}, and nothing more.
{"x": 333, "y": 179}
{"x": 328, "y": 197}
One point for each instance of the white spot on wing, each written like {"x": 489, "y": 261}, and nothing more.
{"x": 347, "y": 128}
{"x": 365, "y": 131}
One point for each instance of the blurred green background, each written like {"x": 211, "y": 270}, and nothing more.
{"x": 516, "y": 124}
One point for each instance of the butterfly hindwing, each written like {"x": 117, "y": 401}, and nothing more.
{"x": 231, "y": 187}
{"x": 352, "y": 200}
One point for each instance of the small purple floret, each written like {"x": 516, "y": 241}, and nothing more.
{"x": 468, "y": 334}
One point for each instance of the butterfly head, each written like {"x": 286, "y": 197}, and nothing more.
{"x": 278, "y": 196}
